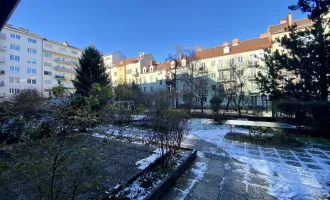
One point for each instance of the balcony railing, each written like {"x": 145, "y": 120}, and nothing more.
{"x": 59, "y": 77}
{"x": 63, "y": 60}
{"x": 63, "y": 69}
{"x": 135, "y": 73}
{"x": 2, "y": 36}
{"x": 2, "y": 48}
{"x": 2, "y": 60}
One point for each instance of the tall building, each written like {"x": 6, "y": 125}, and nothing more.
{"x": 59, "y": 62}
{"x": 111, "y": 58}
{"x": 20, "y": 60}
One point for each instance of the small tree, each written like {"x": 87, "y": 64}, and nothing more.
{"x": 91, "y": 69}
{"x": 59, "y": 91}
{"x": 215, "y": 104}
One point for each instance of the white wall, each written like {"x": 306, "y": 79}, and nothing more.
{"x": 23, "y": 63}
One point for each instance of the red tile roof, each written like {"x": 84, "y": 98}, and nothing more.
{"x": 301, "y": 23}
{"x": 243, "y": 46}
{"x": 128, "y": 60}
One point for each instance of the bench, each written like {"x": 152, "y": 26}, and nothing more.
{"x": 260, "y": 124}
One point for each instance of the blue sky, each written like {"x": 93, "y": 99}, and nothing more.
{"x": 151, "y": 26}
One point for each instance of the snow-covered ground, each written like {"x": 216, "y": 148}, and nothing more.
{"x": 302, "y": 173}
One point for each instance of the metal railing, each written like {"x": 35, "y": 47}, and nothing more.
{"x": 59, "y": 76}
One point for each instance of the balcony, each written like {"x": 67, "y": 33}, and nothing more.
{"x": 2, "y": 60}
{"x": 62, "y": 77}
{"x": 2, "y": 72}
{"x": 2, "y": 48}
{"x": 63, "y": 60}
{"x": 136, "y": 74}
{"x": 2, "y": 36}
{"x": 253, "y": 63}
{"x": 63, "y": 69}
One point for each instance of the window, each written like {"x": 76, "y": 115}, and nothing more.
{"x": 31, "y": 71}
{"x": 252, "y": 59}
{"x": 214, "y": 87}
{"x": 14, "y": 69}
{"x": 226, "y": 50}
{"x": 240, "y": 59}
{"x": 184, "y": 62}
{"x": 15, "y": 47}
{"x": 13, "y": 91}
{"x": 48, "y": 82}
{"x": 129, "y": 71}
{"x": 50, "y": 46}
{"x": 31, "y": 81}
{"x": 151, "y": 89}
{"x": 202, "y": 66}
{"x": 74, "y": 52}
{"x": 14, "y": 79}
{"x": 115, "y": 73}
{"x": 48, "y": 73}
{"x": 151, "y": 78}
{"x": 15, "y": 36}
{"x": 144, "y": 70}
{"x": 212, "y": 75}
{"x": 14, "y": 58}
{"x": 48, "y": 55}
{"x": 151, "y": 69}
{"x": 220, "y": 63}
{"x": 221, "y": 88}
{"x": 62, "y": 49}
{"x": 232, "y": 75}
{"x": 232, "y": 61}
{"x": 47, "y": 64}
{"x": 253, "y": 72}
{"x": 254, "y": 100}
{"x": 161, "y": 82}
{"x": 32, "y": 51}
{"x": 144, "y": 89}
{"x": 213, "y": 63}
{"x": 253, "y": 86}
{"x": 221, "y": 76}
{"x": 32, "y": 61}
{"x": 34, "y": 41}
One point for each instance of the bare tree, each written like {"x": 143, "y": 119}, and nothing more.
{"x": 233, "y": 84}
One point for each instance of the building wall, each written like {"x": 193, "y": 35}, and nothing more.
{"x": 60, "y": 60}
{"x": 27, "y": 61}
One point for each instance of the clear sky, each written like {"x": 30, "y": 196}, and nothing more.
{"x": 150, "y": 26}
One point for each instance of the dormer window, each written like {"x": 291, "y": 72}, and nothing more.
{"x": 151, "y": 68}
{"x": 184, "y": 62}
{"x": 226, "y": 49}
{"x": 172, "y": 64}
{"x": 144, "y": 69}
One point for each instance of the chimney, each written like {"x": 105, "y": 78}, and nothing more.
{"x": 199, "y": 48}
{"x": 181, "y": 57}
{"x": 225, "y": 43}
{"x": 289, "y": 18}
{"x": 235, "y": 42}
{"x": 65, "y": 43}
{"x": 152, "y": 62}
{"x": 263, "y": 35}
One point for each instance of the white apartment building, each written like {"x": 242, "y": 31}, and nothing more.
{"x": 59, "y": 62}
{"x": 111, "y": 59}
{"x": 20, "y": 60}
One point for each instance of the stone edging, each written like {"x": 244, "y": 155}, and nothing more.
{"x": 167, "y": 182}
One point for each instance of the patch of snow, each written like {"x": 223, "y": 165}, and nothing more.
{"x": 138, "y": 117}
{"x": 199, "y": 171}
{"x": 285, "y": 179}
{"x": 144, "y": 163}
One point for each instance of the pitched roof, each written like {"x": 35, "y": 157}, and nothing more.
{"x": 163, "y": 66}
{"x": 281, "y": 27}
{"x": 243, "y": 46}
{"x": 128, "y": 60}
